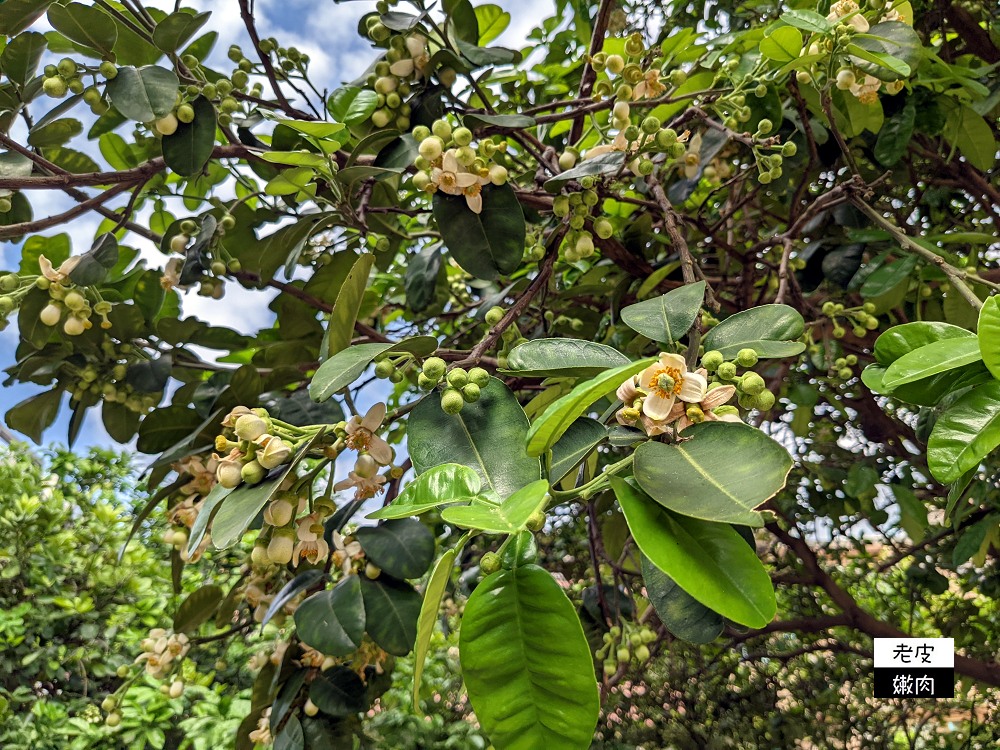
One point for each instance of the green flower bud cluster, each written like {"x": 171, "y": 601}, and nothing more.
{"x": 842, "y": 367}
{"x": 65, "y": 78}
{"x": 450, "y": 162}
{"x": 622, "y": 647}
{"x": 861, "y": 319}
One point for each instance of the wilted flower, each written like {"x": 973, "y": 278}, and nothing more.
{"x": 692, "y": 157}
{"x": 262, "y": 734}
{"x": 344, "y": 553}
{"x": 361, "y": 435}
{"x": 364, "y": 479}
{"x": 160, "y": 649}
{"x": 202, "y": 474}
{"x": 62, "y": 273}
{"x": 649, "y": 86}
{"x": 236, "y": 413}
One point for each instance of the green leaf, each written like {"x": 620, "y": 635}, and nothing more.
{"x": 339, "y": 691}
{"x": 94, "y": 265}
{"x": 301, "y": 582}
{"x": 421, "y": 278}
{"x": 173, "y": 31}
{"x": 197, "y": 608}
{"x": 116, "y": 151}
{"x": 35, "y": 414}
{"x": 722, "y": 474}
{"x": 488, "y": 244}
{"x": 527, "y": 664}
{"x": 971, "y": 540}
{"x": 897, "y": 67}
{"x": 576, "y": 442}
{"x": 487, "y": 436}
{"x": 932, "y": 359}
{"x": 476, "y": 119}
{"x": 971, "y": 134}
{"x": 246, "y": 501}
{"x": 346, "y": 366}
{"x": 315, "y": 129}
{"x": 120, "y": 422}
{"x": 447, "y": 483}
{"x": 187, "y": 150}
{"x": 402, "y": 547}
{"x": 557, "y": 418}
{"x": 143, "y": 94}
{"x": 462, "y": 21}
{"x": 29, "y": 324}
{"x": 56, "y": 133}
{"x": 295, "y": 158}
{"x": 710, "y": 561}
{"x": 681, "y": 613}
{"x": 965, "y": 433}
{"x": 21, "y": 56}
{"x": 890, "y": 39}
{"x": 391, "y": 611}
{"x": 290, "y": 181}
{"x": 290, "y": 737}
{"x": 783, "y": 44}
{"x": 429, "y": 608}
{"x": 164, "y": 427}
{"x": 333, "y": 621}
{"x": 86, "y": 25}
{"x": 770, "y": 330}
{"x": 903, "y": 339}
{"x": 492, "y": 22}
{"x": 895, "y": 135}
{"x": 14, "y": 166}
{"x": 668, "y": 317}
{"x": 17, "y": 15}
{"x": 206, "y": 515}
{"x": 352, "y": 105}
{"x": 506, "y": 518}
{"x": 807, "y": 20}
{"x": 608, "y": 163}
{"x": 989, "y": 335}
{"x": 543, "y": 358}
{"x": 71, "y": 160}
{"x": 340, "y": 329}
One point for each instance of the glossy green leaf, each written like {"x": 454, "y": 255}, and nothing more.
{"x": 487, "y": 436}
{"x": 666, "y": 318}
{"x": 770, "y": 330}
{"x": 477, "y": 119}
{"x": 578, "y": 440}
{"x": 888, "y": 277}
{"x": 507, "y": 518}
{"x": 556, "y": 419}
{"x": 348, "y": 304}
{"x": 681, "y": 613}
{"x": 401, "y": 547}
{"x": 965, "y": 433}
{"x": 421, "y": 279}
{"x": 35, "y": 414}
{"x": 189, "y": 148}
{"x": 543, "y": 358}
{"x": 56, "y": 133}
{"x": 197, "y": 608}
{"x": 94, "y": 265}
{"x": 932, "y": 359}
{"x": 21, "y": 56}
{"x": 429, "y": 608}
{"x": 492, "y": 21}
{"x": 899, "y": 68}
{"x": 391, "y": 608}
{"x": 903, "y": 339}
{"x": 346, "y": 366}
{"x": 989, "y": 335}
{"x": 527, "y": 664}
{"x": 205, "y": 516}
{"x": 290, "y": 737}
{"x": 783, "y": 44}
{"x": 488, "y": 244}
{"x": 968, "y": 131}
{"x": 710, "y": 561}
{"x": 339, "y": 692}
{"x": 447, "y": 483}
{"x": 895, "y": 135}
{"x": 333, "y": 621}
{"x": 352, "y": 105}
{"x": 86, "y": 25}
{"x": 807, "y": 20}
{"x": 17, "y": 15}
{"x": 143, "y": 94}
{"x": 723, "y": 473}
{"x": 609, "y": 163}
{"x": 174, "y": 31}
{"x": 889, "y": 39}
{"x": 301, "y": 582}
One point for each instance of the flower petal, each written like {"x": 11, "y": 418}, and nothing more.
{"x": 674, "y": 360}
{"x": 646, "y": 377}
{"x": 693, "y": 388}
{"x": 677, "y": 412}
{"x": 717, "y": 397}
{"x": 475, "y": 203}
{"x": 657, "y": 407}
{"x": 652, "y": 427}
{"x": 448, "y": 162}
{"x": 373, "y": 419}
{"x": 465, "y": 179}
{"x": 627, "y": 391}
{"x": 402, "y": 68}
{"x": 380, "y": 450}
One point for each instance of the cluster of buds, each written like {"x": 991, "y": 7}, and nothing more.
{"x": 459, "y": 386}
{"x": 220, "y": 91}
{"x": 66, "y": 77}
{"x": 450, "y": 163}
{"x": 221, "y": 262}
{"x": 287, "y": 63}
{"x": 162, "y": 652}
{"x": 261, "y": 444}
{"x": 634, "y": 82}
{"x": 750, "y": 387}
{"x": 624, "y": 646}
{"x": 405, "y": 60}
{"x": 861, "y": 319}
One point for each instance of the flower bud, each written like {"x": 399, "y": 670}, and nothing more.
{"x": 259, "y": 554}
{"x": 372, "y": 571}
{"x": 536, "y": 521}
{"x": 451, "y": 401}
{"x": 250, "y": 427}
{"x": 498, "y": 174}
{"x": 434, "y": 367}
{"x": 50, "y": 314}
{"x": 279, "y": 550}
{"x": 845, "y": 79}
{"x": 74, "y": 326}
{"x": 109, "y": 704}
{"x": 458, "y": 378}
{"x": 712, "y": 360}
{"x": 489, "y": 563}
{"x": 281, "y": 512}
{"x": 479, "y": 376}
{"x": 177, "y": 689}
{"x": 471, "y": 393}
{"x": 310, "y": 709}
{"x": 615, "y": 64}
{"x": 113, "y": 720}
{"x": 122, "y": 671}
{"x": 430, "y": 148}
{"x": 252, "y": 472}
{"x": 494, "y": 316}
{"x": 275, "y": 453}
{"x": 764, "y": 126}
{"x": 725, "y": 409}
{"x": 727, "y": 370}
{"x": 752, "y": 384}
{"x": 229, "y": 474}
{"x": 746, "y": 357}
{"x": 765, "y": 400}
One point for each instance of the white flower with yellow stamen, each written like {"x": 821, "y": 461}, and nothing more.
{"x": 171, "y": 274}
{"x": 867, "y": 92}
{"x": 649, "y": 86}
{"x": 361, "y": 434}
{"x": 312, "y": 546}
{"x": 450, "y": 177}
{"x": 666, "y": 381}
{"x": 416, "y": 45}
{"x": 844, "y": 8}
{"x": 345, "y": 552}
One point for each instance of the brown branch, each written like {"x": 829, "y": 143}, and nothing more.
{"x": 30, "y": 227}
{"x": 589, "y": 74}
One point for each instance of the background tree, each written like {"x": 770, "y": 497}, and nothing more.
{"x": 705, "y": 306}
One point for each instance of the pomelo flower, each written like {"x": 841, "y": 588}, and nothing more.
{"x": 311, "y": 545}
{"x": 344, "y": 553}
{"x": 361, "y": 433}
{"x": 649, "y": 86}
{"x": 844, "y": 8}
{"x": 867, "y": 92}
{"x": 666, "y": 381}
{"x": 416, "y": 45}
{"x": 62, "y": 273}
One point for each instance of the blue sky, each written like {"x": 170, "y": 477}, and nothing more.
{"x": 321, "y": 28}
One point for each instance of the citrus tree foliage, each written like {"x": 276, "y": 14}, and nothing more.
{"x": 728, "y": 284}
